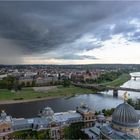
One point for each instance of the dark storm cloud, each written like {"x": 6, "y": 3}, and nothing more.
{"x": 44, "y": 25}
{"x": 40, "y": 27}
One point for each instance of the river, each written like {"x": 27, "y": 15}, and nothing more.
{"x": 97, "y": 101}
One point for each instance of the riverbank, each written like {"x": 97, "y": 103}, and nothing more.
{"x": 119, "y": 81}
{"x": 3, "y": 102}
{"x": 28, "y": 94}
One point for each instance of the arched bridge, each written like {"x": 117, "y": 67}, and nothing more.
{"x": 124, "y": 89}
{"x": 103, "y": 88}
{"x": 135, "y": 76}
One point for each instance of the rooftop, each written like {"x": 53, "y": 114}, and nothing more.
{"x": 125, "y": 115}
{"x": 66, "y": 116}
{"x": 84, "y": 108}
{"x": 114, "y": 134}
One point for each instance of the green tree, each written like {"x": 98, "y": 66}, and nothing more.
{"x": 23, "y": 84}
{"x": 33, "y": 83}
{"x": 7, "y": 82}
{"x": 66, "y": 82}
{"x": 28, "y": 84}
{"x": 59, "y": 76}
{"x": 74, "y": 131}
{"x": 29, "y": 134}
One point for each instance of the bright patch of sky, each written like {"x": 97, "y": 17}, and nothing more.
{"x": 116, "y": 50}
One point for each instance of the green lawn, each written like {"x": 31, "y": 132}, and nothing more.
{"x": 60, "y": 91}
{"x": 29, "y": 93}
{"x": 119, "y": 81}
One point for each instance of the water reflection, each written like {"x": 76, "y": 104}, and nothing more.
{"x": 135, "y": 84}
{"x": 97, "y": 101}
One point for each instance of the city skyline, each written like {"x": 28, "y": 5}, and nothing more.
{"x": 69, "y": 32}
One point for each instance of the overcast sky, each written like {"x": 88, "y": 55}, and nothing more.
{"x": 69, "y": 32}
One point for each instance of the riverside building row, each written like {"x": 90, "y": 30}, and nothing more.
{"x": 47, "y": 119}
{"x": 123, "y": 124}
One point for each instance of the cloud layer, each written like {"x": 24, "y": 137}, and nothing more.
{"x": 63, "y": 30}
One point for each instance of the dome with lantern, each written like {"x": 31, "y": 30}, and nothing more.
{"x": 125, "y": 115}
{"x": 46, "y": 112}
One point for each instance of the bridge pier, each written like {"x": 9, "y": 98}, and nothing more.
{"x": 115, "y": 93}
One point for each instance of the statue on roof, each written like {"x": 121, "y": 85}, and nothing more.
{"x": 3, "y": 114}
{"x": 125, "y": 95}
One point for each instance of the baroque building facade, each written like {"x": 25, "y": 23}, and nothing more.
{"x": 47, "y": 119}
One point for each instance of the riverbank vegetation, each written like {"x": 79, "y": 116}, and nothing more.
{"x": 29, "y": 93}
{"x": 107, "y": 112}
{"x": 134, "y": 103}
{"x": 118, "y": 81}
{"x": 10, "y": 83}
{"x": 64, "y": 90}
{"x": 111, "y": 79}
